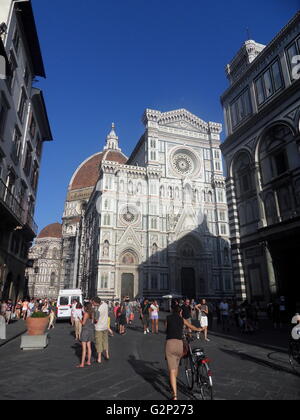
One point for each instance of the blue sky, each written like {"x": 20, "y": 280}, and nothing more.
{"x": 108, "y": 60}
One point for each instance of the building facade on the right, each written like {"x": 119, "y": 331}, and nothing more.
{"x": 262, "y": 154}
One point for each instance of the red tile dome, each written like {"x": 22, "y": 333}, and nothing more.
{"x": 53, "y": 230}
{"x": 87, "y": 174}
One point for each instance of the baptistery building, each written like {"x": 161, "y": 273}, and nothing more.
{"x": 262, "y": 154}
{"x": 152, "y": 223}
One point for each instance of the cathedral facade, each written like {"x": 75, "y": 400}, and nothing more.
{"x": 155, "y": 223}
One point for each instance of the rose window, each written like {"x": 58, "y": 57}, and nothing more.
{"x": 184, "y": 162}
{"x": 129, "y": 215}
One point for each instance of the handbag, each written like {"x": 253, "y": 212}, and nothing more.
{"x": 131, "y": 316}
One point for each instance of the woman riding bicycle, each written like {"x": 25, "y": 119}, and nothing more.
{"x": 174, "y": 344}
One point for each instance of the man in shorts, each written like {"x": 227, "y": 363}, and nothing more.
{"x": 101, "y": 328}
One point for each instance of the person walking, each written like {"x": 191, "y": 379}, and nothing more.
{"x": 87, "y": 335}
{"x": 224, "y": 311}
{"x": 144, "y": 315}
{"x": 77, "y": 314}
{"x": 154, "y": 309}
{"x": 122, "y": 318}
{"x": 101, "y": 328}
{"x": 175, "y": 324}
{"x": 51, "y": 317}
{"x": 203, "y": 317}
{"x": 31, "y": 307}
{"x": 116, "y": 314}
{"x": 25, "y": 309}
{"x": 18, "y": 309}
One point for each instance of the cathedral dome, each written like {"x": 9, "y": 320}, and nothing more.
{"x": 53, "y": 230}
{"x": 87, "y": 174}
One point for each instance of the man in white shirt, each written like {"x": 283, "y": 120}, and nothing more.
{"x": 101, "y": 328}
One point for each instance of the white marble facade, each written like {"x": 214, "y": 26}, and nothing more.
{"x": 159, "y": 224}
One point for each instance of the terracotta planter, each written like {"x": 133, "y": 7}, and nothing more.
{"x": 37, "y": 326}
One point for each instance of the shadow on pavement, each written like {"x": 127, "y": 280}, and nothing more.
{"x": 250, "y": 339}
{"x": 157, "y": 377}
{"x": 259, "y": 361}
{"x": 78, "y": 350}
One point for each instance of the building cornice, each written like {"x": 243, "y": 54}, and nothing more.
{"x": 264, "y": 57}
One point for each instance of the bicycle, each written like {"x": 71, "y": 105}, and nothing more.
{"x": 197, "y": 370}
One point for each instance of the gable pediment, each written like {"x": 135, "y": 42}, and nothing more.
{"x": 184, "y": 125}
{"x": 130, "y": 238}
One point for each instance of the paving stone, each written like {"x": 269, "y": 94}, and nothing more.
{"x": 137, "y": 370}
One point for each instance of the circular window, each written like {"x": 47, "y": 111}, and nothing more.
{"x": 184, "y": 162}
{"x": 129, "y": 214}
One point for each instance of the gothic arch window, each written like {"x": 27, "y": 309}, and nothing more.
{"x": 204, "y": 196}
{"x": 243, "y": 173}
{"x": 170, "y": 192}
{"x": 130, "y": 187}
{"x": 139, "y": 188}
{"x": 270, "y": 208}
{"x": 187, "y": 250}
{"x": 273, "y": 151}
{"x": 52, "y": 279}
{"x": 54, "y": 253}
{"x": 209, "y": 197}
{"x": 162, "y": 191}
{"x": 177, "y": 192}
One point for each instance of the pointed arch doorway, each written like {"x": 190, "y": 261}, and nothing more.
{"x": 127, "y": 285}
{"x": 188, "y": 282}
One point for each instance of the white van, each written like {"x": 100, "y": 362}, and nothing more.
{"x": 64, "y": 302}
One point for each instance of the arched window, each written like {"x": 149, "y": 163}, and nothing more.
{"x": 54, "y": 253}
{"x": 273, "y": 151}
{"x": 243, "y": 173}
{"x": 130, "y": 187}
{"x": 52, "y": 279}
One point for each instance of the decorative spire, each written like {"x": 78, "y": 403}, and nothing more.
{"x": 112, "y": 140}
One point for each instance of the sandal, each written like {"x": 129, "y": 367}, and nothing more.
{"x": 174, "y": 397}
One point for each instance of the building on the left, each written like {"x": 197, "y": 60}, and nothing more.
{"x": 24, "y": 126}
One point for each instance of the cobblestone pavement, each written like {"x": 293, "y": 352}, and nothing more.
{"x": 242, "y": 369}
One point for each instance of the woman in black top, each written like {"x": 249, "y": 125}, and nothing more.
{"x": 174, "y": 344}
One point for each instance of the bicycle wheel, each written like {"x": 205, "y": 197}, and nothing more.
{"x": 205, "y": 381}
{"x": 189, "y": 372}
{"x": 294, "y": 354}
